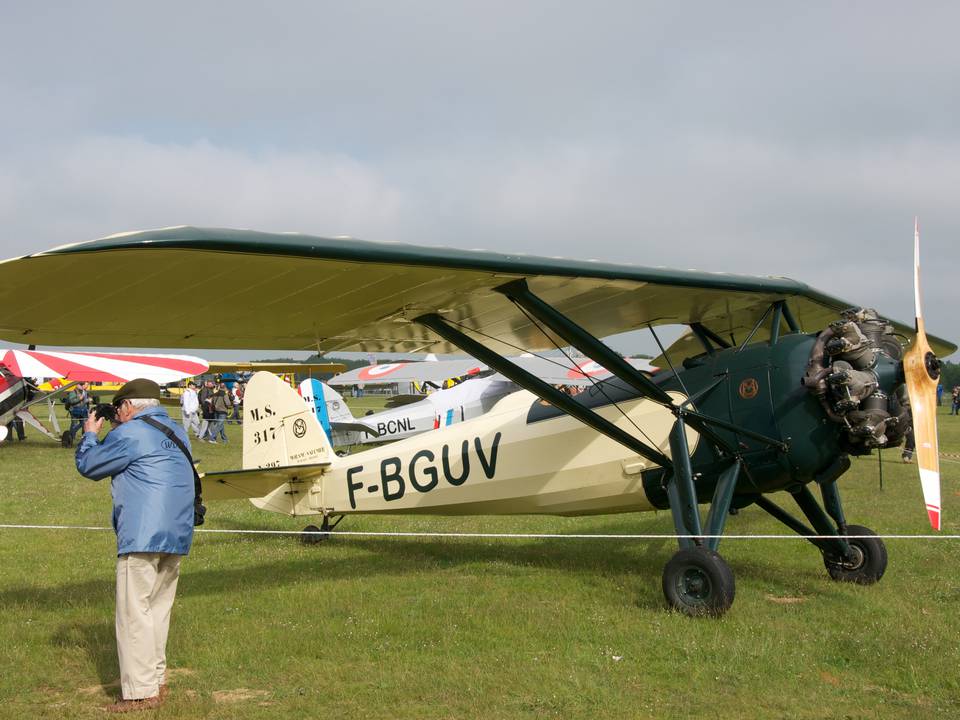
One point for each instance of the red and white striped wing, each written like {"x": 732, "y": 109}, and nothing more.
{"x": 102, "y": 367}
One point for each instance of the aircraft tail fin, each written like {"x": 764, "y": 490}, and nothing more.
{"x": 279, "y": 429}
{"x": 327, "y": 404}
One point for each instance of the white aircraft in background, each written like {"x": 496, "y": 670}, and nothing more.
{"x": 18, "y": 394}
{"x": 415, "y": 414}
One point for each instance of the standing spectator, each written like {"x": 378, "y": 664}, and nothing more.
{"x": 152, "y": 484}
{"x": 77, "y": 403}
{"x": 206, "y": 408}
{"x": 236, "y": 395}
{"x": 909, "y": 446}
{"x": 955, "y": 407}
{"x": 190, "y": 409}
{"x": 222, "y": 406}
{"x": 939, "y": 394}
{"x": 15, "y": 425}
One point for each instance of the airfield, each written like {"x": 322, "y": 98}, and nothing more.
{"x": 407, "y": 627}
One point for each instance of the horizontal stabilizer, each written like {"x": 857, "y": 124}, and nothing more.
{"x": 354, "y": 427}
{"x": 230, "y": 484}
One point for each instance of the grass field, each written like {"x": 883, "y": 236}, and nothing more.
{"x": 265, "y": 627}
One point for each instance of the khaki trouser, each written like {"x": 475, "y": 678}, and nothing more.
{"x": 146, "y": 586}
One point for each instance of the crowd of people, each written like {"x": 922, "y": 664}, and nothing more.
{"x": 207, "y": 411}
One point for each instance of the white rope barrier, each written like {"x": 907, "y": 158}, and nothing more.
{"x": 510, "y": 536}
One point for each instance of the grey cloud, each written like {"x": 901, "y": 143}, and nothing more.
{"x": 753, "y": 137}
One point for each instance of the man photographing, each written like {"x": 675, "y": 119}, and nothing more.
{"x": 153, "y": 516}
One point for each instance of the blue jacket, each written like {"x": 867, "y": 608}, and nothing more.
{"x": 152, "y": 486}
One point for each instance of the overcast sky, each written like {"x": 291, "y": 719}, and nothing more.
{"x": 767, "y": 138}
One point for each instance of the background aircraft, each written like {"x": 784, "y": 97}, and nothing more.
{"x": 21, "y": 373}
{"x": 464, "y": 401}
{"x": 478, "y": 389}
{"x": 788, "y": 384}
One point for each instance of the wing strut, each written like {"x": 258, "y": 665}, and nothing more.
{"x": 596, "y": 350}
{"x": 544, "y": 390}
{"x": 586, "y": 343}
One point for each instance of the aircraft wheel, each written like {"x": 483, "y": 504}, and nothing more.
{"x": 697, "y": 581}
{"x": 66, "y": 440}
{"x": 869, "y": 559}
{"x": 312, "y": 535}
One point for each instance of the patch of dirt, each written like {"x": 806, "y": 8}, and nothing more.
{"x": 238, "y": 695}
{"x": 829, "y": 679}
{"x": 95, "y": 689}
{"x": 172, "y": 674}
{"x": 785, "y": 599}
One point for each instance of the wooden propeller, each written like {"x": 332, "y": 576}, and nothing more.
{"x": 921, "y": 370}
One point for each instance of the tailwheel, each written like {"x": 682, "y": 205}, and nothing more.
{"x": 868, "y": 563}
{"x": 312, "y": 535}
{"x": 697, "y": 581}
{"x": 66, "y": 439}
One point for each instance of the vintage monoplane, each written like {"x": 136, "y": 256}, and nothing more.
{"x": 23, "y": 372}
{"x": 785, "y": 384}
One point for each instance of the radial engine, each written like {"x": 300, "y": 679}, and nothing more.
{"x": 855, "y": 370}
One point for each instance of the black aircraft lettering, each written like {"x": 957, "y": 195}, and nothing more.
{"x": 393, "y": 427}
{"x": 422, "y": 471}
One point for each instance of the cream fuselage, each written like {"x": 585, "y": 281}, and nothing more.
{"x": 496, "y": 464}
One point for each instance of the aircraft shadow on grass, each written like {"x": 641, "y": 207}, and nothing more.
{"x": 602, "y": 559}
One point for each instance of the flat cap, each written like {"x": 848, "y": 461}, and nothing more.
{"x": 137, "y": 388}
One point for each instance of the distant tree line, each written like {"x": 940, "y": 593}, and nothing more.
{"x": 949, "y": 374}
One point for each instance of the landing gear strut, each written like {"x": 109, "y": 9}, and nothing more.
{"x": 861, "y": 560}
{"x": 697, "y": 581}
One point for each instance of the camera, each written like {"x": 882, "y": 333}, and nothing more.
{"x": 105, "y": 411}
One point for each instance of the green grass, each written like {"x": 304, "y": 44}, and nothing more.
{"x": 265, "y": 627}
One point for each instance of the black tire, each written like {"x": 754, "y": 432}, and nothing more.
{"x": 870, "y": 561}
{"x": 697, "y": 581}
{"x": 312, "y": 535}
{"x": 66, "y": 439}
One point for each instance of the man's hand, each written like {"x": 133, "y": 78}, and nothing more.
{"x": 92, "y": 424}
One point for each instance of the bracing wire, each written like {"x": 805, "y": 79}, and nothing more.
{"x": 551, "y": 360}
{"x": 596, "y": 386}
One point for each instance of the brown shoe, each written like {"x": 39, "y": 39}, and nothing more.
{"x": 125, "y": 706}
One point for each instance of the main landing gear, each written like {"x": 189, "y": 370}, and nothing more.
{"x": 860, "y": 558}
{"x": 697, "y": 581}
{"x": 868, "y": 559}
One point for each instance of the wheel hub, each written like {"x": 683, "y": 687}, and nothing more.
{"x": 694, "y": 585}
{"x": 856, "y": 560}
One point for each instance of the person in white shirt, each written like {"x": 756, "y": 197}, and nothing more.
{"x": 190, "y": 409}
{"x": 236, "y": 396}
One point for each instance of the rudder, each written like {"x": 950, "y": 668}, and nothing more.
{"x": 279, "y": 429}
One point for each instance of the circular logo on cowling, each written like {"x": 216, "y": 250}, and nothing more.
{"x": 299, "y": 427}
{"x": 749, "y": 388}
